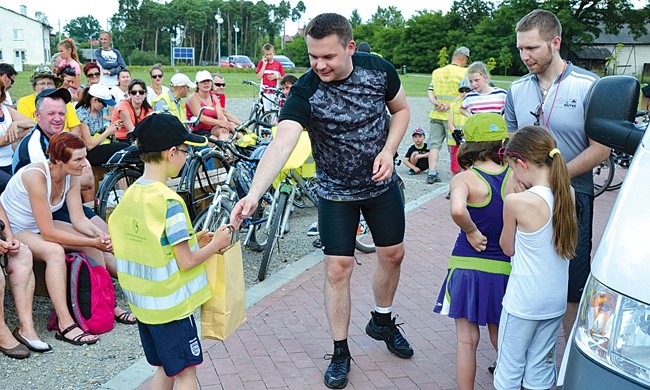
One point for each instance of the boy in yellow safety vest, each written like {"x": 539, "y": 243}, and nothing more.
{"x": 159, "y": 256}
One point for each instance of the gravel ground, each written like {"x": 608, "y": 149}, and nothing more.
{"x": 87, "y": 367}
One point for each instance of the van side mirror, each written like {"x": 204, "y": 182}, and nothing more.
{"x": 611, "y": 109}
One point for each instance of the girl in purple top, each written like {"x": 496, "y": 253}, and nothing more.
{"x": 478, "y": 269}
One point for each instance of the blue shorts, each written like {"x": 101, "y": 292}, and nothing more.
{"x": 174, "y": 345}
{"x": 63, "y": 214}
{"x": 338, "y": 221}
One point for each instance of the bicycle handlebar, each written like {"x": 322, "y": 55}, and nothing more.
{"x": 276, "y": 90}
{"x": 227, "y": 145}
{"x": 195, "y": 120}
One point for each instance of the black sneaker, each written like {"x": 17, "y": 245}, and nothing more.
{"x": 391, "y": 335}
{"x": 336, "y": 376}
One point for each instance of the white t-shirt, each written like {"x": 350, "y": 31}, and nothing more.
{"x": 111, "y": 57}
{"x": 8, "y": 101}
{"x": 6, "y": 152}
{"x": 538, "y": 283}
{"x": 151, "y": 94}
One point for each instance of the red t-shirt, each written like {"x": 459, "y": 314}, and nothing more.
{"x": 271, "y": 67}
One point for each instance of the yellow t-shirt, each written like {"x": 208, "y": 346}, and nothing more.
{"x": 27, "y": 106}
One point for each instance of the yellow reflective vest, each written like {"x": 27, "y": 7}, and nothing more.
{"x": 179, "y": 109}
{"x": 445, "y": 82}
{"x": 157, "y": 290}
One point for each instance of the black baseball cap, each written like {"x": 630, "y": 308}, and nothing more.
{"x": 159, "y": 132}
{"x": 60, "y": 93}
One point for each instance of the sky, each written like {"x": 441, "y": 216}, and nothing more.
{"x": 56, "y": 12}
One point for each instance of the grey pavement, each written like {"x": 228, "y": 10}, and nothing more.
{"x": 281, "y": 346}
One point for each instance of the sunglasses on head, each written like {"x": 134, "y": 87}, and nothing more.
{"x": 134, "y": 92}
{"x": 156, "y": 76}
{"x": 220, "y": 84}
{"x": 503, "y": 153}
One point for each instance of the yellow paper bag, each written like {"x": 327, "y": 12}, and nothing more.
{"x": 226, "y": 311}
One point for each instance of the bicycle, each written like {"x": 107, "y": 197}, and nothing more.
{"x": 258, "y": 113}
{"x": 606, "y": 176}
{"x": 203, "y": 171}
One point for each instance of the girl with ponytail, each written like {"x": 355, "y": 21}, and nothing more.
{"x": 540, "y": 232}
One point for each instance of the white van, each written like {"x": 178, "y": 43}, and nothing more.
{"x": 609, "y": 347}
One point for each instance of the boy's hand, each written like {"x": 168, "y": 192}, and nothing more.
{"x": 204, "y": 237}
{"x": 14, "y": 246}
{"x": 222, "y": 236}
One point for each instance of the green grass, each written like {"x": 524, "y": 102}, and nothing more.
{"x": 415, "y": 84}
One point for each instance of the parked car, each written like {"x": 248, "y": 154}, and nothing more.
{"x": 238, "y": 62}
{"x": 608, "y": 346}
{"x": 286, "y": 62}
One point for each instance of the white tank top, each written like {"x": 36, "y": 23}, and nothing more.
{"x": 538, "y": 283}
{"x": 6, "y": 152}
{"x": 15, "y": 199}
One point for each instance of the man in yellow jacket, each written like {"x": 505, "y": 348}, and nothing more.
{"x": 443, "y": 90}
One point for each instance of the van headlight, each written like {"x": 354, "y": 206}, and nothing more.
{"x": 614, "y": 330}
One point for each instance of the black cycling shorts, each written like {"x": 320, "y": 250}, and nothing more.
{"x": 338, "y": 221}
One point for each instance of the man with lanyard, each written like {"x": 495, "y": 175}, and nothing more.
{"x": 554, "y": 95}
{"x": 344, "y": 102}
{"x": 174, "y": 100}
{"x": 443, "y": 90}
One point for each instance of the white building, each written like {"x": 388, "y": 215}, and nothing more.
{"x": 23, "y": 40}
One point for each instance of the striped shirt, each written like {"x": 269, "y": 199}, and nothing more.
{"x": 494, "y": 101}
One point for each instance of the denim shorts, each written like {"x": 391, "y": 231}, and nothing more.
{"x": 338, "y": 221}
{"x": 174, "y": 345}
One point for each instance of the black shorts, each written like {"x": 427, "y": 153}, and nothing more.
{"x": 338, "y": 221}
{"x": 174, "y": 345}
{"x": 580, "y": 266}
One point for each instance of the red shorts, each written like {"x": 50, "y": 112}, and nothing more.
{"x": 453, "y": 157}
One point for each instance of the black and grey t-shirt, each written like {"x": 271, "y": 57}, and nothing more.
{"x": 348, "y": 124}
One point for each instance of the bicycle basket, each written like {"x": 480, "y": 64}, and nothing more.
{"x": 127, "y": 156}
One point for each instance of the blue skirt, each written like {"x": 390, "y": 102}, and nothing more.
{"x": 474, "y": 295}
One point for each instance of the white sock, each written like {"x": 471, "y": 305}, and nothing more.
{"x": 384, "y": 310}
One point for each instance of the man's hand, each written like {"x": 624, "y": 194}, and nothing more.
{"x": 382, "y": 168}
{"x": 242, "y": 210}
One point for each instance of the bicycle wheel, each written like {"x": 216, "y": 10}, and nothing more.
{"x": 364, "y": 242}
{"x": 220, "y": 216}
{"x": 622, "y": 162}
{"x": 260, "y": 228}
{"x": 205, "y": 175}
{"x": 265, "y": 122}
{"x": 274, "y": 233}
{"x": 112, "y": 188}
{"x": 603, "y": 175}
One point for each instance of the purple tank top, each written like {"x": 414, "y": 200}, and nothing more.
{"x": 488, "y": 219}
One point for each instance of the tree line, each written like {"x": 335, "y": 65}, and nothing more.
{"x": 144, "y": 30}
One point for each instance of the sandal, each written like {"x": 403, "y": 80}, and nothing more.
{"x": 124, "y": 318}
{"x": 18, "y": 352}
{"x": 77, "y": 339}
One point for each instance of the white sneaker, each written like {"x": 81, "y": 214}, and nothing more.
{"x": 313, "y": 229}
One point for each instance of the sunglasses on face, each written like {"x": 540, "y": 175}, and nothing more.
{"x": 13, "y": 80}
{"x": 92, "y": 75}
{"x": 134, "y": 92}
{"x": 156, "y": 76}
{"x": 220, "y": 85}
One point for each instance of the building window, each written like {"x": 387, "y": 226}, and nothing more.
{"x": 18, "y": 34}
{"x": 20, "y": 54}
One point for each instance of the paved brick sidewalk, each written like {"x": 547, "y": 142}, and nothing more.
{"x": 283, "y": 342}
